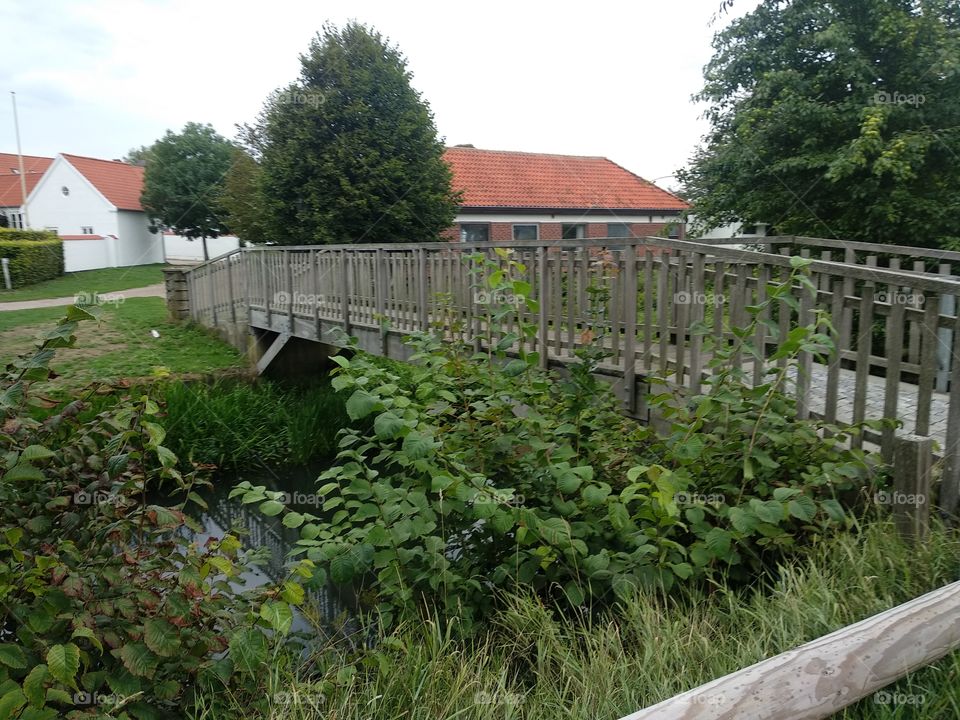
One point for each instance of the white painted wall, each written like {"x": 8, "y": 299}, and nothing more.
{"x": 733, "y": 230}
{"x": 87, "y": 254}
{"x": 136, "y": 244}
{"x": 83, "y": 207}
{"x": 179, "y": 248}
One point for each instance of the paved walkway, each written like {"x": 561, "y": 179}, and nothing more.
{"x": 157, "y": 290}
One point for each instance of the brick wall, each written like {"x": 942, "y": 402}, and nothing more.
{"x": 503, "y": 231}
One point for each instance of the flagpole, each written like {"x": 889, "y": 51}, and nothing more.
{"x": 23, "y": 178}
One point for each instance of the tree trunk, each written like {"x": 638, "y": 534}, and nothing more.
{"x": 206, "y": 255}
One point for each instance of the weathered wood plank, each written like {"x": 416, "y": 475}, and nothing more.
{"x": 818, "y": 679}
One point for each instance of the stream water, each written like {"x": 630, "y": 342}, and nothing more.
{"x": 334, "y": 605}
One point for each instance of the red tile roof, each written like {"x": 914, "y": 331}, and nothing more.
{"x": 33, "y": 167}
{"x": 118, "y": 182}
{"x": 499, "y": 178}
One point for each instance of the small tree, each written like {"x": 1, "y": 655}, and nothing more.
{"x": 240, "y": 198}
{"x": 350, "y": 151}
{"x": 837, "y": 119}
{"x": 183, "y": 180}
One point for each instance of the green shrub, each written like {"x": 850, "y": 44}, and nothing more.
{"x": 108, "y": 604}
{"x": 35, "y": 255}
{"x": 484, "y": 473}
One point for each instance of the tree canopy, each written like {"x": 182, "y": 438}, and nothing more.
{"x": 182, "y": 181}
{"x": 837, "y": 119}
{"x": 350, "y": 151}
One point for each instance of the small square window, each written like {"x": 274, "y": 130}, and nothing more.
{"x": 574, "y": 232}
{"x": 673, "y": 231}
{"x": 474, "y": 232}
{"x": 86, "y": 230}
{"x": 524, "y": 233}
{"x": 618, "y": 230}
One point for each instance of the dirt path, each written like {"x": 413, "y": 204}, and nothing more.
{"x": 148, "y": 291}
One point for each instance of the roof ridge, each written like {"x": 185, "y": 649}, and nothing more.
{"x": 112, "y": 162}
{"x": 527, "y": 152}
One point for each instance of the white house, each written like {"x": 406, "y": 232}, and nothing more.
{"x": 94, "y": 206}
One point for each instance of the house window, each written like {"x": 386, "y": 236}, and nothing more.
{"x": 673, "y": 231}
{"x": 524, "y": 233}
{"x": 65, "y": 190}
{"x": 618, "y": 230}
{"x": 748, "y": 230}
{"x": 573, "y": 232}
{"x": 16, "y": 221}
{"x": 86, "y": 230}
{"x": 474, "y": 232}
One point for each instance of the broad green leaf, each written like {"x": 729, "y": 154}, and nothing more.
{"x": 248, "y": 650}
{"x": 279, "y": 615}
{"x": 161, "y": 637}
{"x": 138, "y": 659}
{"x": 361, "y": 404}
{"x": 33, "y": 685}
{"x": 271, "y": 508}
{"x": 63, "y": 661}
{"x": 388, "y": 426}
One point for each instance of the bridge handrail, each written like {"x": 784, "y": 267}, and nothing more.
{"x": 820, "y": 678}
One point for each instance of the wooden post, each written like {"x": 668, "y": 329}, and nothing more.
{"x": 345, "y": 285}
{"x": 381, "y": 286}
{"x": 213, "y": 294}
{"x": 264, "y": 276}
{"x": 630, "y": 326}
{"x": 422, "y": 315}
{"x": 289, "y": 269}
{"x": 816, "y": 680}
{"x": 543, "y": 300}
{"x": 910, "y": 499}
{"x": 233, "y": 310}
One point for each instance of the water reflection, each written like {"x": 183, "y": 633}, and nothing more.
{"x": 334, "y": 605}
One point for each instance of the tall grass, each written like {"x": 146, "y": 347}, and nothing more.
{"x": 239, "y": 424}
{"x": 535, "y": 665}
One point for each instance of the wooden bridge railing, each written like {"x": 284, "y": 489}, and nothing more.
{"x": 818, "y": 679}
{"x": 893, "y": 333}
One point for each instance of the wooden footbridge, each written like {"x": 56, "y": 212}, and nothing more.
{"x": 897, "y": 344}
{"x": 892, "y": 308}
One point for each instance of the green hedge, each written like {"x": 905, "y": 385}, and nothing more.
{"x": 34, "y": 255}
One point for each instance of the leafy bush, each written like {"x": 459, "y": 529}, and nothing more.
{"x": 484, "y": 472}
{"x": 108, "y": 605}
{"x": 34, "y": 255}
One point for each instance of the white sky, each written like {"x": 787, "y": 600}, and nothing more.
{"x": 98, "y": 77}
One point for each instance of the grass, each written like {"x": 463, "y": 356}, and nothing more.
{"x": 536, "y": 666}
{"x": 237, "y": 424}
{"x": 121, "y": 345}
{"x": 88, "y": 282}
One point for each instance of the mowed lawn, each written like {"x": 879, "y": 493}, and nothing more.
{"x": 121, "y": 345}
{"x": 88, "y": 282}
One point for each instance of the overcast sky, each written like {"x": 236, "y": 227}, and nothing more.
{"x": 98, "y": 77}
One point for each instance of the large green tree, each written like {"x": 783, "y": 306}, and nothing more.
{"x": 183, "y": 179}
{"x": 837, "y": 118}
{"x": 350, "y": 151}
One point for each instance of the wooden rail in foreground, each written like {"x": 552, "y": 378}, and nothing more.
{"x": 822, "y": 677}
